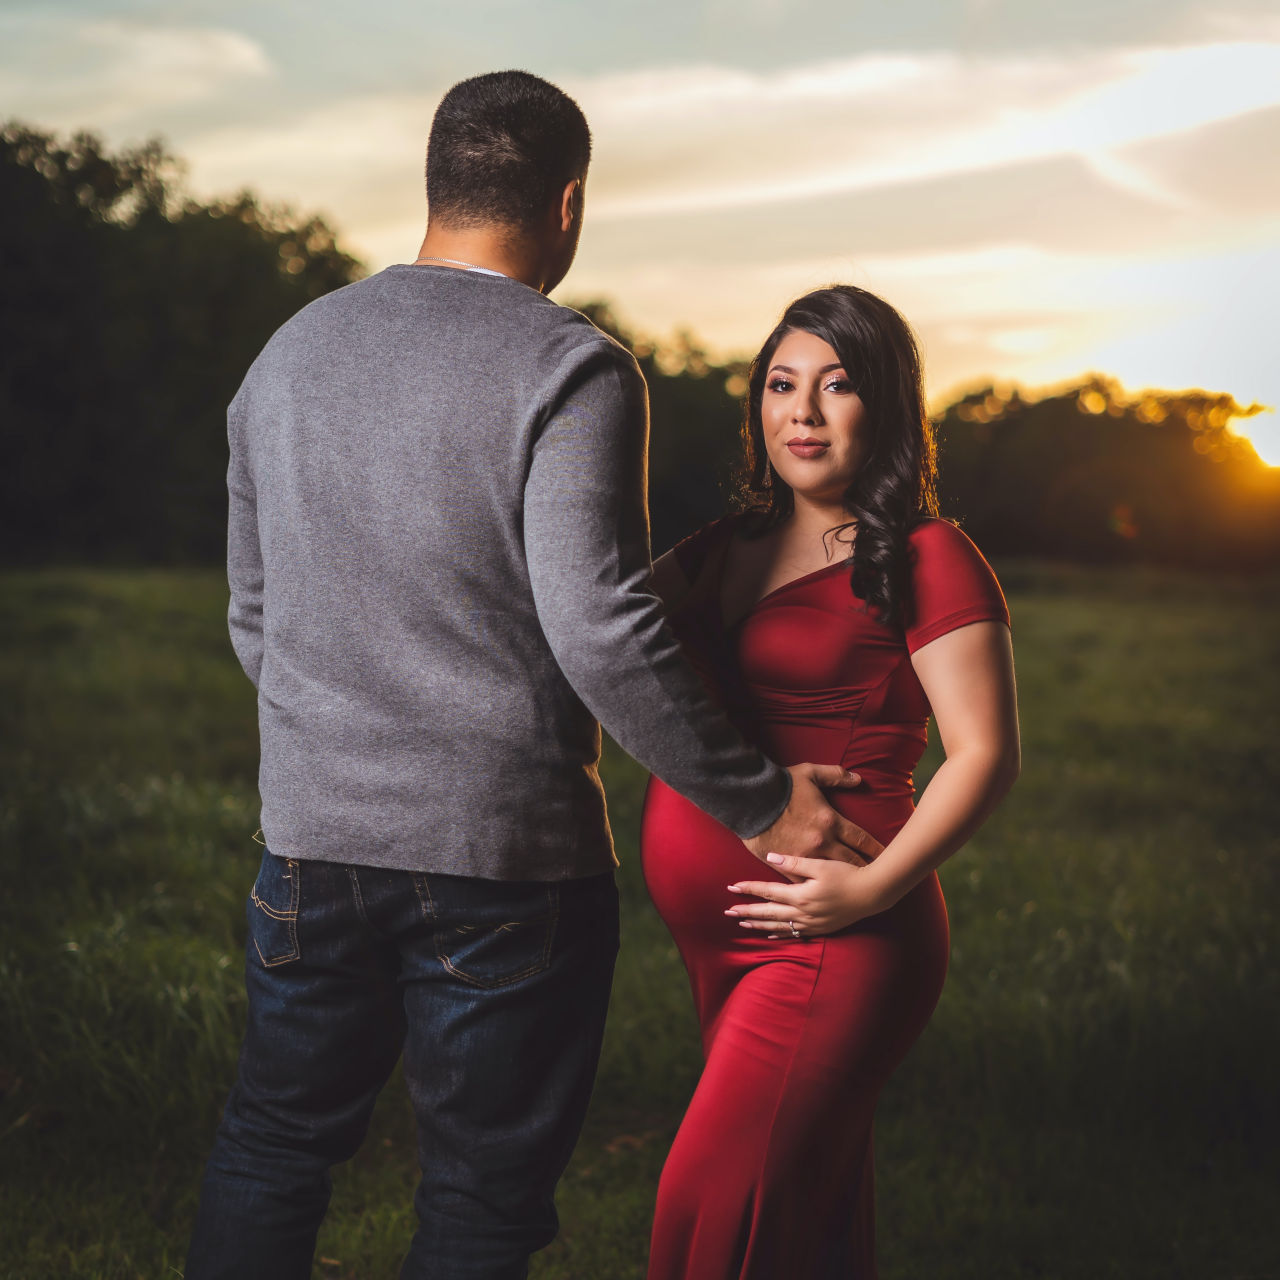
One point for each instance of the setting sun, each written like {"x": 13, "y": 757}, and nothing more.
{"x": 1263, "y": 432}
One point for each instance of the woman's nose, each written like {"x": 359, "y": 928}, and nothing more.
{"x": 804, "y": 411}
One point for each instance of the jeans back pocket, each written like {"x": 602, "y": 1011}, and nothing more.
{"x": 490, "y": 933}
{"x": 273, "y": 909}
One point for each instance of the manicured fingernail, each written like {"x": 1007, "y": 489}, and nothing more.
{"x": 731, "y": 911}
{"x": 775, "y": 858}
{"x": 733, "y": 888}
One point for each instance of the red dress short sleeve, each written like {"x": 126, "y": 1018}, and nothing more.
{"x": 952, "y": 584}
{"x": 691, "y": 552}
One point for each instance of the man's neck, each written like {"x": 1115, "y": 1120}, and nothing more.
{"x": 500, "y": 249}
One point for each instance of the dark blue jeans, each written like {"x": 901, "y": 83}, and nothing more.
{"x": 495, "y": 993}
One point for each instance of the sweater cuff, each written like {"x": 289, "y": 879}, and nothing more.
{"x": 773, "y": 795}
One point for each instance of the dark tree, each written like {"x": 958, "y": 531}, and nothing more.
{"x": 695, "y": 428}
{"x": 1092, "y": 474}
{"x": 128, "y": 317}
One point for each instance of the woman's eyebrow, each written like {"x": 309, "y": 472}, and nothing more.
{"x": 785, "y": 368}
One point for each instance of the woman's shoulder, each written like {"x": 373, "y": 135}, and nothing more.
{"x": 691, "y": 553}
{"x": 675, "y": 571}
{"x": 951, "y": 582}
{"x": 935, "y": 535}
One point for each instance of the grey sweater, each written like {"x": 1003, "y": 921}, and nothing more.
{"x": 438, "y": 555}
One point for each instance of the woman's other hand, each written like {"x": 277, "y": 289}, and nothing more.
{"x": 825, "y": 895}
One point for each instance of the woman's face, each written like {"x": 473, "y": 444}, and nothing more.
{"x": 815, "y": 428}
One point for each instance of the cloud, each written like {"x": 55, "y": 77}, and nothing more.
{"x": 711, "y": 142}
{"x": 1124, "y": 174}
{"x": 359, "y": 161}
{"x": 1261, "y": 22}
{"x": 1225, "y": 166}
{"x": 756, "y": 13}
{"x": 704, "y": 137}
{"x": 117, "y": 72}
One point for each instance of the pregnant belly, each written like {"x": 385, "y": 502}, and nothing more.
{"x": 690, "y": 859}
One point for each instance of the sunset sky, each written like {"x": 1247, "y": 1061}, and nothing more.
{"x": 1043, "y": 189}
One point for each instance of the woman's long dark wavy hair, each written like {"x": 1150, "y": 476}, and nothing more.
{"x": 896, "y": 484}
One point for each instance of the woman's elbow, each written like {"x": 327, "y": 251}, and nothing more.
{"x": 998, "y": 765}
{"x": 1008, "y": 766}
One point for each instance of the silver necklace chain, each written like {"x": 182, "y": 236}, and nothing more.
{"x": 455, "y": 262}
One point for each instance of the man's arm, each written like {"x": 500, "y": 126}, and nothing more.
{"x": 587, "y": 544}
{"x": 244, "y": 554}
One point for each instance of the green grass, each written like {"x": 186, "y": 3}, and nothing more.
{"x": 1095, "y": 1096}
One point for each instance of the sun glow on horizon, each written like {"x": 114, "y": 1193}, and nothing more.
{"x": 1262, "y": 430}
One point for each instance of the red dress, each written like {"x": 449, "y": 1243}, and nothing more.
{"x": 770, "y": 1175}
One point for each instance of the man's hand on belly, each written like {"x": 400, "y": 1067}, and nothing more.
{"x": 809, "y": 827}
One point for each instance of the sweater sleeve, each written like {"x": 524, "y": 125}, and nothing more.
{"x": 244, "y": 554}
{"x": 586, "y": 532}
{"x": 951, "y": 584}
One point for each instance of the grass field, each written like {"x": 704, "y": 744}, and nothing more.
{"x": 1096, "y": 1095}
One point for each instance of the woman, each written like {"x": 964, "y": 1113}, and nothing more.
{"x": 830, "y": 618}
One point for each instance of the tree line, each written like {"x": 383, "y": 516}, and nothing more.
{"x": 130, "y": 312}
{"x": 128, "y": 316}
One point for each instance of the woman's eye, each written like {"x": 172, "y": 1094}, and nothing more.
{"x": 839, "y": 384}
{"x": 779, "y": 384}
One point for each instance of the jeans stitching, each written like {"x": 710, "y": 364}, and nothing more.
{"x": 421, "y": 888}
{"x": 269, "y": 910}
{"x": 356, "y": 894}
{"x": 553, "y": 916}
{"x": 553, "y": 911}
{"x": 288, "y": 917}
{"x": 283, "y": 958}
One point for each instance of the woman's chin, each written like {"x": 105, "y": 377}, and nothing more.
{"x": 813, "y": 482}
{"x": 827, "y": 496}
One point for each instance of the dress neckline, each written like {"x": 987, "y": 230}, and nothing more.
{"x": 727, "y": 627}
{"x": 768, "y": 596}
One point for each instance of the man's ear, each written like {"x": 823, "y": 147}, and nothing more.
{"x": 570, "y": 203}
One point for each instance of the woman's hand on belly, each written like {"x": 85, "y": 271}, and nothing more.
{"x": 825, "y": 896}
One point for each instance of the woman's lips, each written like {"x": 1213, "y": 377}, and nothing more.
{"x": 803, "y": 448}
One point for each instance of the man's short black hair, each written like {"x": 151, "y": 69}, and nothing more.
{"x": 502, "y": 147}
